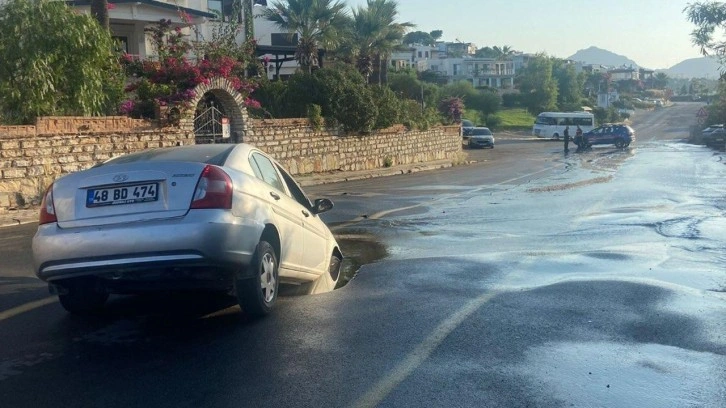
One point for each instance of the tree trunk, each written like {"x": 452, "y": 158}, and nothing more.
{"x": 99, "y": 11}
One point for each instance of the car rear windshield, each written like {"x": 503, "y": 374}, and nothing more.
{"x": 481, "y": 132}
{"x": 210, "y": 154}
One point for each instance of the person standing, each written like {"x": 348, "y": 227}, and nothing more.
{"x": 578, "y": 136}
{"x": 567, "y": 138}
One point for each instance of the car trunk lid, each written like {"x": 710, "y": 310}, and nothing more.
{"x": 122, "y": 193}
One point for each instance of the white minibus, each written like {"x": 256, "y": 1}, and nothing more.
{"x": 551, "y": 125}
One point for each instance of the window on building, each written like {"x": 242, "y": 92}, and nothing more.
{"x": 427, "y": 54}
{"x": 123, "y": 43}
{"x": 419, "y": 54}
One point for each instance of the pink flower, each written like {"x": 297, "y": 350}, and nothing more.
{"x": 252, "y": 103}
{"x": 127, "y": 107}
{"x": 110, "y": 6}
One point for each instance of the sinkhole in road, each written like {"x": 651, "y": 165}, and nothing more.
{"x": 358, "y": 249}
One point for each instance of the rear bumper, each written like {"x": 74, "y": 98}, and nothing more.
{"x": 480, "y": 143}
{"x": 193, "y": 245}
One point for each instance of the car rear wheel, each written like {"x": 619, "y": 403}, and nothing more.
{"x": 82, "y": 296}
{"x": 619, "y": 143}
{"x": 556, "y": 136}
{"x": 257, "y": 294}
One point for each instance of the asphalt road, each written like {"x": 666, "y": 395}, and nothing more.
{"x": 528, "y": 279}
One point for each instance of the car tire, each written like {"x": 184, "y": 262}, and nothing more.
{"x": 556, "y": 136}
{"x": 82, "y": 296}
{"x": 257, "y": 294}
{"x": 619, "y": 143}
{"x": 327, "y": 281}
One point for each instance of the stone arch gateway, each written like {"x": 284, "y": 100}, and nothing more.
{"x": 226, "y": 101}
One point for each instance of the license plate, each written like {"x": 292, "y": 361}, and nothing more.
{"x": 140, "y": 193}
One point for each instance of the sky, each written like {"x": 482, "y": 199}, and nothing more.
{"x": 653, "y": 33}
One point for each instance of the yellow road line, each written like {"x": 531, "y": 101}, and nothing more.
{"x": 420, "y": 353}
{"x": 26, "y": 307}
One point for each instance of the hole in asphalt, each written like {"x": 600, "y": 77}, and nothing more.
{"x": 358, "y": 250}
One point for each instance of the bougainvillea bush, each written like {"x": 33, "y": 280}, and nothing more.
{"x": 170, "y": 79}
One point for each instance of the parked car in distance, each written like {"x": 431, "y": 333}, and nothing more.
{"x": 481, "y": 137}
{"x": 711, "y": 128}
{"x": 220, "y": 217}
{"x": 620, "y": 135}
{"x": 715, "y": 138}
{"x": 466, "y": 126}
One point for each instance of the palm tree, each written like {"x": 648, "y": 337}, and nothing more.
{"x": 375, "y": 35}
{"x": 317, "y": 22}
{"x": 99, "y": 11}
{"x": 503, "y": 53}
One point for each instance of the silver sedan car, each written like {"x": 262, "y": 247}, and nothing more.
{"x": 221, "y": 217}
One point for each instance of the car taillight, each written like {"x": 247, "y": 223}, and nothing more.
{"x": 214, "y": 189}
{"x": 47, "y": 209}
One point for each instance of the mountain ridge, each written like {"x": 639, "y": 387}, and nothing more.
{"x": 702, "y": 67}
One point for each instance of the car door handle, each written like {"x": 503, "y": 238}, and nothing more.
{"x": 275, "y": 195}
{"x": 305, "y": 213}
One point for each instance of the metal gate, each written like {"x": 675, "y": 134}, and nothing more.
{"x": 208, "y": 127}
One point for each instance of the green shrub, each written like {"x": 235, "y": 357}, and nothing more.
{"x": 356, "y": 111}
{"x": 511, "y": 100}
{"x": 272, "y": 96}
{"x": 388, "y": 107}
{"x": 493, "y": 121}
{"x": 315, "y": 116}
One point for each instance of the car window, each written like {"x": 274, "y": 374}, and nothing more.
{"x": 481, "y": 132}
{"x": 295, "y": 190}
{"x": 210, "y": 154}
{"x": 265, "y": 171}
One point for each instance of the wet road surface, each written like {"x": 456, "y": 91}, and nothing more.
{"x": 530, "y": 279}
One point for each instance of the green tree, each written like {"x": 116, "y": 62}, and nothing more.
{"x": 319, "y": 23}
{"x": 376, "y": 35}
{"x": 499, "y": 53}
{"x": 570, "y": 86}
{"x": 54, "y": 61}
{"x": 660, "y": 81}
{"x": 418, "y": 37}
{"x": 537, "y": 86}
{"x": 484, "y": 101}
{"x": 708, "y": 17}
{"x": 406, "y": 86}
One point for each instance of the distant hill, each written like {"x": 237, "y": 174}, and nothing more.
{"x": 594, "y": 55}
{"x": 704, "y": 67}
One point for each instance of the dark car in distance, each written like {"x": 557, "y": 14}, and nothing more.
{"x": 466, "y": 127}
{"x": 716, "y": 138}
{"x": 618, "y": 134}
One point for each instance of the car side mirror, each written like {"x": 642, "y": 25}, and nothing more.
{"x": 322, "y": 205}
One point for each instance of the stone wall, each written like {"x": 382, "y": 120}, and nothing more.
{"x": 32, "y": 156}
{"x": 303, "y": 150}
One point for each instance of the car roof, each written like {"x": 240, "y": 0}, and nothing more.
{"x": 216, "y": 154}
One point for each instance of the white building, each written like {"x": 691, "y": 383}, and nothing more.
{"x": 480, "y": 72}
{"x": 130, "y": 18}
